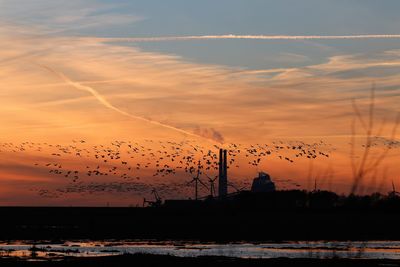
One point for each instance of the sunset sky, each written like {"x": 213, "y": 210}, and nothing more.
{"x": 212, "y": 72}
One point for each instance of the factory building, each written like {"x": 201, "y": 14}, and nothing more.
{"x": 262, "y": 183}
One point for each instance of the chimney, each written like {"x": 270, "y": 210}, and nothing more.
{"x": 225, "y": 166}
{"x": 220, "y": 167}
{"x": 223, "y": 174}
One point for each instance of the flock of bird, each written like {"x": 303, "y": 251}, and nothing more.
{"x": 127, "y": 166}
{"x": 378, "y": 141}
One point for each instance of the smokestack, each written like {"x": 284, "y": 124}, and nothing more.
{"x": 225, "y": 166}
{"x": 223, "y": 174}
{"x": 220, "y": 167}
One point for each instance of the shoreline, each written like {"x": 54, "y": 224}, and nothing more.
{"x": 160, "y": 260}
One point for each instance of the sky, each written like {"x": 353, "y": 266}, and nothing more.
{"x": 212, "y": 72}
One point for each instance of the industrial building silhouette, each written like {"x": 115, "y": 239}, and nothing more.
{"x": 261, "y": 184}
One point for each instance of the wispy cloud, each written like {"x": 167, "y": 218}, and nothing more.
{"x": 127, "y": 93}
{"x": 250, "y": 37}
{"x": 210, "y": 135}
{"x": 237, "y": 103}
{"x": 63, "y": 18}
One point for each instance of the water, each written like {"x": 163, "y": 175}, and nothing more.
{"x": 318, "y": 249}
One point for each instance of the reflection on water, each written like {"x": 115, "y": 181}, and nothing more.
{"x": 319, "y": 249}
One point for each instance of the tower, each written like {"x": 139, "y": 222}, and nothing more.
{"x": 223, "y": 174}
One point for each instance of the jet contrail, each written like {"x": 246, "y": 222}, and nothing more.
{"x": 248, "y": 37}
{"x": 108, "y": 105}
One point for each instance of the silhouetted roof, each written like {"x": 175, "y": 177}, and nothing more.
{"x": 263, "y": 183}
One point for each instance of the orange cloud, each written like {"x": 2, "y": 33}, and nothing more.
{"x": 217, "y": 102}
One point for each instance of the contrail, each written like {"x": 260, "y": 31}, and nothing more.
{"x": 248, "y": 37}
{"x": 108, "y": 105}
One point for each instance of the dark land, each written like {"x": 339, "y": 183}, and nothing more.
{"x": 154, "y": 260}
{"x": 277, "y": 216}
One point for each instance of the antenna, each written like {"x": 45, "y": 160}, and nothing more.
{"x": 156, "y": 203}
{"x": 211, "y": 181}
{"x": 212, "y": 186}
{"x": 196, "y": 180}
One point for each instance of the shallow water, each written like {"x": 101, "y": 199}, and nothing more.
{"x": 318, "y": 249}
